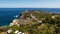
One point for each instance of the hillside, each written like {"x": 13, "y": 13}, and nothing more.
{"x": 34, "y": 22}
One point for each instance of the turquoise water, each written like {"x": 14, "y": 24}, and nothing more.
{"x": 8, "y": 14}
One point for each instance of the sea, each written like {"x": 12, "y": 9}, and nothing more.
{"x": 7, "y": 15}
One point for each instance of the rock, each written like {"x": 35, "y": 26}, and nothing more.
{"x": 15, "y": 22}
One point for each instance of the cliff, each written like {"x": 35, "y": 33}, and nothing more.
{"x": 27, "y": 17}
{"x": 34, "y": 22}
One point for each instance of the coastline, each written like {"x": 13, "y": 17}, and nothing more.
{"x": 7, "y": 18}
{"x": 33, "y": 21}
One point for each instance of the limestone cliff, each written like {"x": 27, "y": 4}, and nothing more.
{"x": 27, "y": 17}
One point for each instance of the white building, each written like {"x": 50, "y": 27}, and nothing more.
{"x": 9, "y": 31}
{"x": 19, "y": 33}
{"x": 23, "y": 33}
{"x": 40, "y": 21}
{"x": 53, "y": 17}
{"x": 16, "y": 31}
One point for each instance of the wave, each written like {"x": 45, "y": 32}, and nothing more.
{"x": 16, "y": 16}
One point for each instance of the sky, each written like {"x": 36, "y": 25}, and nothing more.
{"x": 29, "y": 3}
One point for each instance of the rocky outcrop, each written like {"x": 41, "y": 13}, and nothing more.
{"x": 31, "y": 22}
{"x": 25, "y": 18}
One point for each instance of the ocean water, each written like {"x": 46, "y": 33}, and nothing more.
{"x": 8, "y": 14}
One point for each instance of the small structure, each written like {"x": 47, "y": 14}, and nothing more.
{"x": 19, "y": 33}
{"x": 39, "y": 21}
{"x": 16, "y": 31}
{"x": 54, "y": 16}
{"x": 9, "y": 31}
{"x": 23, "y": 33}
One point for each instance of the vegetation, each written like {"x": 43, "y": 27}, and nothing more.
{"x": 49, "y": 25}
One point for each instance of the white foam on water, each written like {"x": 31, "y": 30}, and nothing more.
{"x": 16, "y": 16}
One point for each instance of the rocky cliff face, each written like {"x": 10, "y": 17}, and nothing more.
{"x": 33, "y": 22}
{"x": 27, "y": 17}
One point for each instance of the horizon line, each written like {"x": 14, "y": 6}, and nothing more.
{"x": 21, "y": 7}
